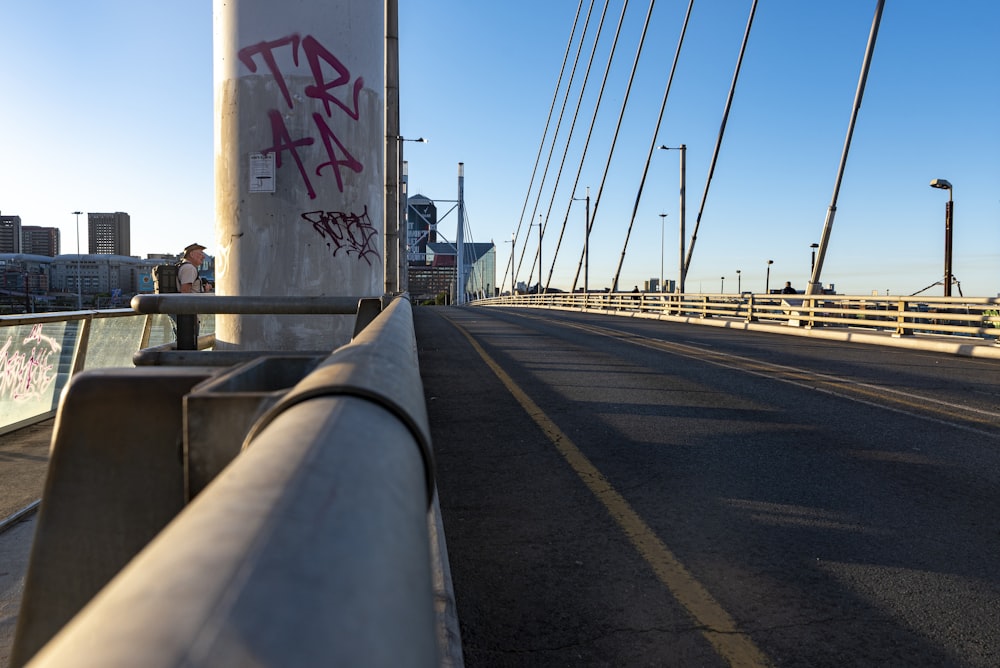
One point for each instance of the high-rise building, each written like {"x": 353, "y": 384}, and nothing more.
{"x": 109, "y": 233}
{"x": 421, "y": 228}
{"x": 37, "y": 240}
{"x": 10, "y": 234}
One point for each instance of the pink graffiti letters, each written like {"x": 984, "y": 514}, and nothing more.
{"x": 322, "y": 62}
{"x": 266, "y": 51}
{"x": 27, "y": 373}
{"x": 314, "y": 51}
{"x": 283, "y": 142}
{"x": 350, "y": 232}
{"x": 327, "y": 134}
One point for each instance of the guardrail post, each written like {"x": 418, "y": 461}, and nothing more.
{"x": 187, "y": 331}
{"x": 809, "y": 303}
{"x": 901, "y": 319}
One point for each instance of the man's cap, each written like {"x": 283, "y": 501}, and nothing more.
{"x": 193, "y": 247}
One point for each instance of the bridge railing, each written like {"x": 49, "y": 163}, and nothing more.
{"x": 322, "y": 515}
{"x": 901, "y": 316}
{"x": 39, "y": 353}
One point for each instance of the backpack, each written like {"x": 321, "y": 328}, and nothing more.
{"x": 165, "y": 278}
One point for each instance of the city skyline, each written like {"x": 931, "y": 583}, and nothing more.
{"x": 471, "y": 87}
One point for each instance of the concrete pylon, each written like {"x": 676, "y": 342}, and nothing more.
{"x": 299, "y": 163}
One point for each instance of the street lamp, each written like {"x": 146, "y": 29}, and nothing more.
{"x": 722, "y": 287}
{"x": 663, "y": 220}
{"x": 813, "y": 265}
{"x": 739, "y": 283}
{"x": 401, "y": 211}
{"x": 513, "y": 245}
{"x": 539, "y": 224}
{"x": 767, "y": 281}
{"x": 683, "y": 149}
{"x": 949, "y": 212}
{"x": 79, "y": 271}
{"x": 586, "y": 240}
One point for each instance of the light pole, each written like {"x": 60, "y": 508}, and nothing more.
{"x": 79, "y": 271}
{"x": 722, "y": 287}
{"x": 539, "y": 223}
{"x": 513, "y": 244}
{"x": 680, "y": 271}
{"x": 767, "y": 281}
{"x": 663, "y": 220}
{"x": 402, "y": 229}
{"x": 739, "y": 283}
{"x": 813, "y": 264}
{"x": 949, "y": 212}
{"x": 586, "y": 240}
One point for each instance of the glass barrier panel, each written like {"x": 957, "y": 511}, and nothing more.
{"x": 113, "y": 341}
{"x": 35, "y": 364}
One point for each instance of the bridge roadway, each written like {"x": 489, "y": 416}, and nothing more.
{"x": 641, "y": 493}
{"x": 630, "y": 492}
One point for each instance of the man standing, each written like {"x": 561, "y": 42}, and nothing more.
{"x": 788, "y": 289}
{"x": 187, "y": 274}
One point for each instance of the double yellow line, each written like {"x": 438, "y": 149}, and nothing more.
{"x": 718, "y": 628}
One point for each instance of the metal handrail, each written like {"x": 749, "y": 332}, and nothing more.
{"x": 202, "y": 304}
{"x": 969, "y": 317}
{"x": 323, "y": 517}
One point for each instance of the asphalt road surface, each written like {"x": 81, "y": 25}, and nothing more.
{"x": 620, "y": 492}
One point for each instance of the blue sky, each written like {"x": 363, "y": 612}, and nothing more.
{"x": 108, "y": 106}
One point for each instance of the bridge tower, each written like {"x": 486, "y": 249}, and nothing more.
{"x": 300, "y": 109}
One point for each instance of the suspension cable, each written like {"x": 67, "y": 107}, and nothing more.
{"x": 718, "y": 141}
{"x": 593, "y": 120}
{"x": 653, "y": 142}
{"x": 543, "y": 222}
{"x": 569, "y": 134}
{"x": 541, "y": 143}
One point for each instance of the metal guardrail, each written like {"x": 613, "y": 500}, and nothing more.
{"x": 311, "y": 548}
{"x": 977, "y": 317}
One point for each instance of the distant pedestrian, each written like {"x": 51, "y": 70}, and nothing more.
{"x": 788, "y": 289}
{"x": 188, "y": 279}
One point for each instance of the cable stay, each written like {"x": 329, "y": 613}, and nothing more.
{"x": 718, "y": 141}
{"x": 814, "y": 279}
{"x": 571, "y": 132}
{"x": 600, "y": 97}
{"x": 543, "y": 221}
{"x": 541, "y": 143}
{"x": 593, "y": 120}
{"x": 653, "y": 142}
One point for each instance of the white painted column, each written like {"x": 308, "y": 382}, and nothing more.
{"x": 299, "y": 162}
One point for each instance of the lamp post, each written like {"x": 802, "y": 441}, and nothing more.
{"x": 513, "y": 244}
{"x": 586, "y": 240}
{"x": 812, "y": 265}
{"x": 680, "y": 271}
{"x": 949, "y": 212}
{"x": 79, "y": 271}
{"x": 401, "y": 211}
{"x": 767, "y": 281}
{"x": 586, "y": 245}
{"x": 663, "y": 220}
{"x": 722, "y": 287}
{"x": 539, "y": 224}
{"x": 739, "y": 283}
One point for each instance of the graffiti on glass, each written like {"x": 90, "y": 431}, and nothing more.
{"x": 27, "y": 370}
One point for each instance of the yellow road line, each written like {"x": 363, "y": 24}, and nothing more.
{"x": 719, "y": 629}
